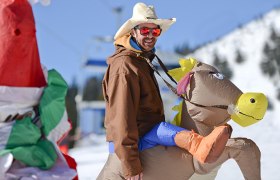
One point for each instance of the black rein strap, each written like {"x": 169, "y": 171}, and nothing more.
{"x": 173, "y": 89}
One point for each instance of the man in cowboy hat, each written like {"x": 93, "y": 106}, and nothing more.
{"x": 133, "y": 102}
{"x": 131, "y": 93}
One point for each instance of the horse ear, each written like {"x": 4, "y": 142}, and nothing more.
{"x": 183, "y": 83}
{"x": 186, "y": 65}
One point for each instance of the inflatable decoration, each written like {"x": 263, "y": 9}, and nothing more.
{"x": 212, "y": 100}
{"x": 33, "y": 117}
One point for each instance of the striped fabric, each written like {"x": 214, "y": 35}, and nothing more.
{"x": 36, "y": 146}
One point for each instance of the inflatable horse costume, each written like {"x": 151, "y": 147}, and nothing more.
{"x": 33, "y": 116}
{"x": 210, "y": 101}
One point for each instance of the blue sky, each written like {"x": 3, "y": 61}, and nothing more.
{"x": 67, "y": 29}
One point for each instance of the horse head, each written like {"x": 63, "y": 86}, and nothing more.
{"x": 211, "y": 99}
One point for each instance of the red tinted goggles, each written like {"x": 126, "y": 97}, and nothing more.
{"x": 145, "y": 31}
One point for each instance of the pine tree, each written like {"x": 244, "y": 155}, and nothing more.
{"x": 267, "y": 64}
{"x": 93, "y": 90}
{"x": 270, "y": 63}
{"x": 184, "y": 49}
{"x": 72, "y": 112}
{"x": 277, "y": 52}
{"x": 223, "y": 66}
{"x": 239, "y": 57}
{"x": 278, "y": 94}
{"x": 270, "y": 105}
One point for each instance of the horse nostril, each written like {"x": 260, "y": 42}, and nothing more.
{"x": 252, "y": 100}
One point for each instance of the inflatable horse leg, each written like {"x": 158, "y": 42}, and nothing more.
{"x": 246, "y": 154}
{"x": 166, "y": 162}
{"x": 211, "y": 175}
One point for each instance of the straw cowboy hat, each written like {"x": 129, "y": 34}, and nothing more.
{"x": 143, "y": 14}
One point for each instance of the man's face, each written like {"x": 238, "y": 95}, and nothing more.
{"x": 146, "y": 41}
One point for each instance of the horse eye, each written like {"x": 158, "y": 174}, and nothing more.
{"x": 252, "y": 100}
{"x": 218, "y": 75}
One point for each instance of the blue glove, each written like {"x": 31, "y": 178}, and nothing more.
{"x": 161, "y": 134}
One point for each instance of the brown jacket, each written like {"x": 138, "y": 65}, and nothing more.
{"x": 133, "y": 103}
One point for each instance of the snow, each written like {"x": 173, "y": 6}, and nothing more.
{"x": 90, "y": 159}
{"x": 92, "y": 152}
